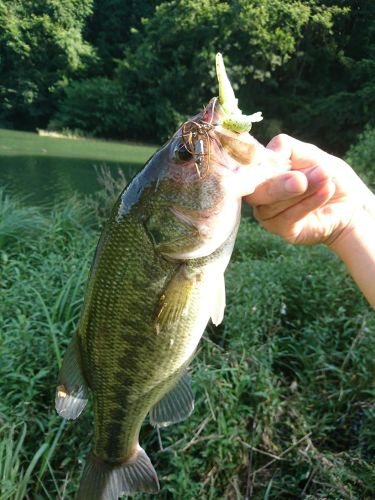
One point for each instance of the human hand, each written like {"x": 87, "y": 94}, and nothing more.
{"x": 317, "y": 201}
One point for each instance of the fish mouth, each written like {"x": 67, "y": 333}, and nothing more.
{"x": 241, "y": 147}
{"x": 209, "y": 141}
{"x": 220, "y": 123}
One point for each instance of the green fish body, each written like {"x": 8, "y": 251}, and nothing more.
{"x": 156, "y": 280}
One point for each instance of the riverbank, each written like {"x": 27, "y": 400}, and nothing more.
{"x": 16, "y": 143}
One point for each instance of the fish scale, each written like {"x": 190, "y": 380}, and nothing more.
{"x": 114, "y": 305}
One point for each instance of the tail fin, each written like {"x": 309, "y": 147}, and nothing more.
{"x": 104, "y": 481}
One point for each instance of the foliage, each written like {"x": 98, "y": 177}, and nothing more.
{"x": 18, "y": 222}
{"x": 166, "y": 57}
{"x": 284, "y": 388}
{"x": 41, "y": 287}
{"x": 361, "y": 156}
{"x": 41, "y": 48}
{"x": 111, "y": 25}
{"x": 96, "y": 105}
{"x": 135, "y": 70}
{"x": 102, "y": 201}
{"x": 14, "y": 479}
{"x": 331, "y": 80}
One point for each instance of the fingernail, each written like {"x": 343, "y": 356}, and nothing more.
{"x": 291, "y": 185}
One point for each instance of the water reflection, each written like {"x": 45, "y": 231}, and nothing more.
{"x": 44, "y": 180}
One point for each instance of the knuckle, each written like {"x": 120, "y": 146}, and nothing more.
{"x": 281, "y": 143}
{"x": 280, "y": 140}
{"x": 263, "y": 212}
{"x": 257, "y": 213}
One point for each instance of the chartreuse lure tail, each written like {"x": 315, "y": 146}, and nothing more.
{"x": 234, "y": 120}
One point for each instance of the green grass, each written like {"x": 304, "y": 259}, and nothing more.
{"x": 284, "y": 388}
{"x": 31, "y": 144}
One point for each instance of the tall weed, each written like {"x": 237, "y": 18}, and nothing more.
{"x": 15, "y": 478}
{"x": 18, "y": 222}
{"x": 284, "y": 388}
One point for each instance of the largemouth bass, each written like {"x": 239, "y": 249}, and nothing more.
{"x": 156, "y": 280}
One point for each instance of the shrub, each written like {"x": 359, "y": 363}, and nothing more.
{"x": 97, "y": 106}
{"x": 361, "y": 156}
{"x": 18, "y": 222}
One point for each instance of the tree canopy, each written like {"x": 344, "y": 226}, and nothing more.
{"x": 135, "y": 70}
{"x": 42, "y": 49}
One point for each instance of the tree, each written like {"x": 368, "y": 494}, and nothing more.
{"x": 137, "y": 69}
{"x": 41, "y": 49}
{"x": 326, "y": 93}
{"x": 111, "y": 25}
{"x": 168, "y": 67}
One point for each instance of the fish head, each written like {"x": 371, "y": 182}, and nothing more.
{"x": 200, "y": 176}
{"x": 216, "y": 141}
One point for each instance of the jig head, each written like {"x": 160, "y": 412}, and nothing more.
{"x": 197, "y": 141}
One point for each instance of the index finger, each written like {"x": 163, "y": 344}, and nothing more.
{"x": 301, "y": 154}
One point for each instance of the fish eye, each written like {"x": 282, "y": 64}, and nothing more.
{"x": 181, "y": 153}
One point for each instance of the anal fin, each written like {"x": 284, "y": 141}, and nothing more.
{"x": 105, "y": 481}
{"x": 175, "y": 406}
{"x": 72, "y": 391}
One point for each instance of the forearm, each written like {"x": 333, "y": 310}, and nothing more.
{"x": 356, "y": 248}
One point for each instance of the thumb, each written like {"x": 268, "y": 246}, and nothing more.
{"x": 268, "y": 165}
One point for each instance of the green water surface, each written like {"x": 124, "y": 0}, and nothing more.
{"x": 44, "y": 169}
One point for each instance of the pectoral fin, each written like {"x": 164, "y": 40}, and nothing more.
{"x": 72, "y": 391}
{"x": 218, "y": 306}
{"x": 175, "y": 406}
{"x": 174, "y": 302}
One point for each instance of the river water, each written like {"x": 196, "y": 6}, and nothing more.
{"x": 42, "y": 170}
{"x": 40, "y": 181}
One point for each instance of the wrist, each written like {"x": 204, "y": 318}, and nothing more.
{"x": 361, "y": 221}
{"x": 356, "y": 248}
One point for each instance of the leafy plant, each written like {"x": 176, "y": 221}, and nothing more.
{"x": 361, "y": 156}
{"x": 17, "y": 222}
{"x": 14, "y": 479}
{"x": 284, "y": 388}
